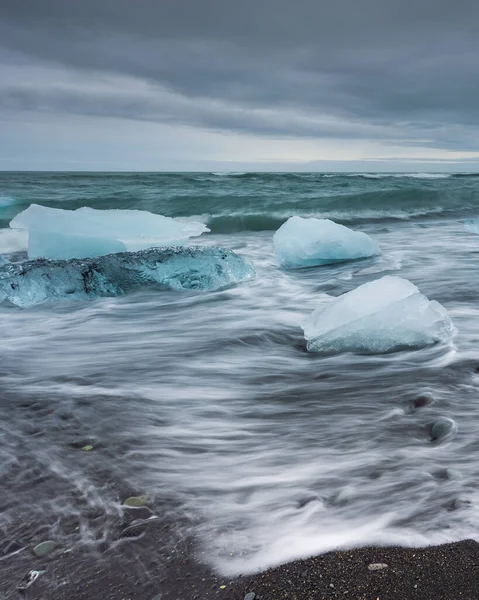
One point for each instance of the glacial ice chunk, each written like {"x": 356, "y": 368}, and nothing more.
{"x": 86, "y": 232}
{"x": 310, "y": 242}
{"x": 380, "y": 316}
{"x": 177, "y": 268}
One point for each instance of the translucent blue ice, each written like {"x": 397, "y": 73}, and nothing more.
{"x": 176, "y": 268}
{"x": 86, "y": 232}
{"x": 472, "y": 225}
{"x": 380, "y": 316}
{"x": 310, "y": 242}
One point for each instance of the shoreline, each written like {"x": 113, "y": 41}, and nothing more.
{"x": 143, "y": 568}
{"x": 445, "y": 572}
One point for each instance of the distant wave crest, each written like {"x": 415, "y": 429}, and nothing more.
{"x": 6, "y": 201}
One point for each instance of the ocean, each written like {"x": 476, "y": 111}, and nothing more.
{"x": 208, "y": 402}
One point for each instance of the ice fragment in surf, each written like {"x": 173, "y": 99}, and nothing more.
{"x": 27, "y": 581}
{"x": 380, "y": 316}
{"x": 86, "y": 232}
{"x": 189, "y": 268}
{"x": 309, "y": 242}
{"x": 472, "y": 225}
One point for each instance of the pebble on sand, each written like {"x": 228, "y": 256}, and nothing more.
{"x": 44, "y": 548}
{"x": 136, "y": 501}
{"x": 377, "y": 566}
{"x": 250, "y": 596}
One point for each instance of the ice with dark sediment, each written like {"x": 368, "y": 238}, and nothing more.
{"x": 176, "y": 268}
{"x": 87, "y": 232}
{"x": 300, "y": 243}
{"x": 384, "y": 315}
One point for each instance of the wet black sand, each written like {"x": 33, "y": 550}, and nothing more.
{"x": 446, "y": 572}
{"x": 143, "y": 568}
{"x": 136, "y": 557}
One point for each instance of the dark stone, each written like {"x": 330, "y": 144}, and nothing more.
{"x": 422, "y": 401}
{"x": 442, "y": 427}
{"x": 302, "y": 502}
{"x": 44, "y": 548}
{"x": 136, "y": 528}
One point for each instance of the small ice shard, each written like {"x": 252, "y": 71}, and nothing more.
{"x": 27, "y": 581}
{"x": 86, "y": 232}
{"x": 472, "y": 225}
{"x": 188, "y": 268}
{"x": 311, "y": 242}
{"x": 380, "y": 316}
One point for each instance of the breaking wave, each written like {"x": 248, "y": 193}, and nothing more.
{"x": 231, "y": 202}
{"x": 352, "y": 209}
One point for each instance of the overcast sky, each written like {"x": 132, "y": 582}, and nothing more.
{"x": 260, "y": 84}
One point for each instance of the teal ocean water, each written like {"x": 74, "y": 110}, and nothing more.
{"x": 236, "y": 202}
{"x": 210, "y": 404}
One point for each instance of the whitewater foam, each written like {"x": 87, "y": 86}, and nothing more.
{"x": 12, "y": 241}
{"x": 229, "y": 173}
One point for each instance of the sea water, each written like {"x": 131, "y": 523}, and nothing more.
{"x": 210, "y": 403}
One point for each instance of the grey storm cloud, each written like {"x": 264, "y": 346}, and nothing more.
{"x": 399, "y": 72}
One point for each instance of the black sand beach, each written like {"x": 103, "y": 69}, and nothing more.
{"x": 143, "y": 568}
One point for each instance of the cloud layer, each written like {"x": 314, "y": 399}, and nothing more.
{"x": 395, "y": 76}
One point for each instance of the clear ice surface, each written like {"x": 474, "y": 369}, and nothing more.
{"x": 177, "y": 268}
{"x": 86, "y": 232}
{"x": 380, "y": 316}
{"x": 472, "y": 225}
{"x": 310, "y": 242}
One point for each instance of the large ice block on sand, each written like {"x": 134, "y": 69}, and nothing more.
{"x": 310, "y": 242}
{"x": 188, "y": 268}
{"x": 380, "y": 316}
{"x": 86, "y": 232}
